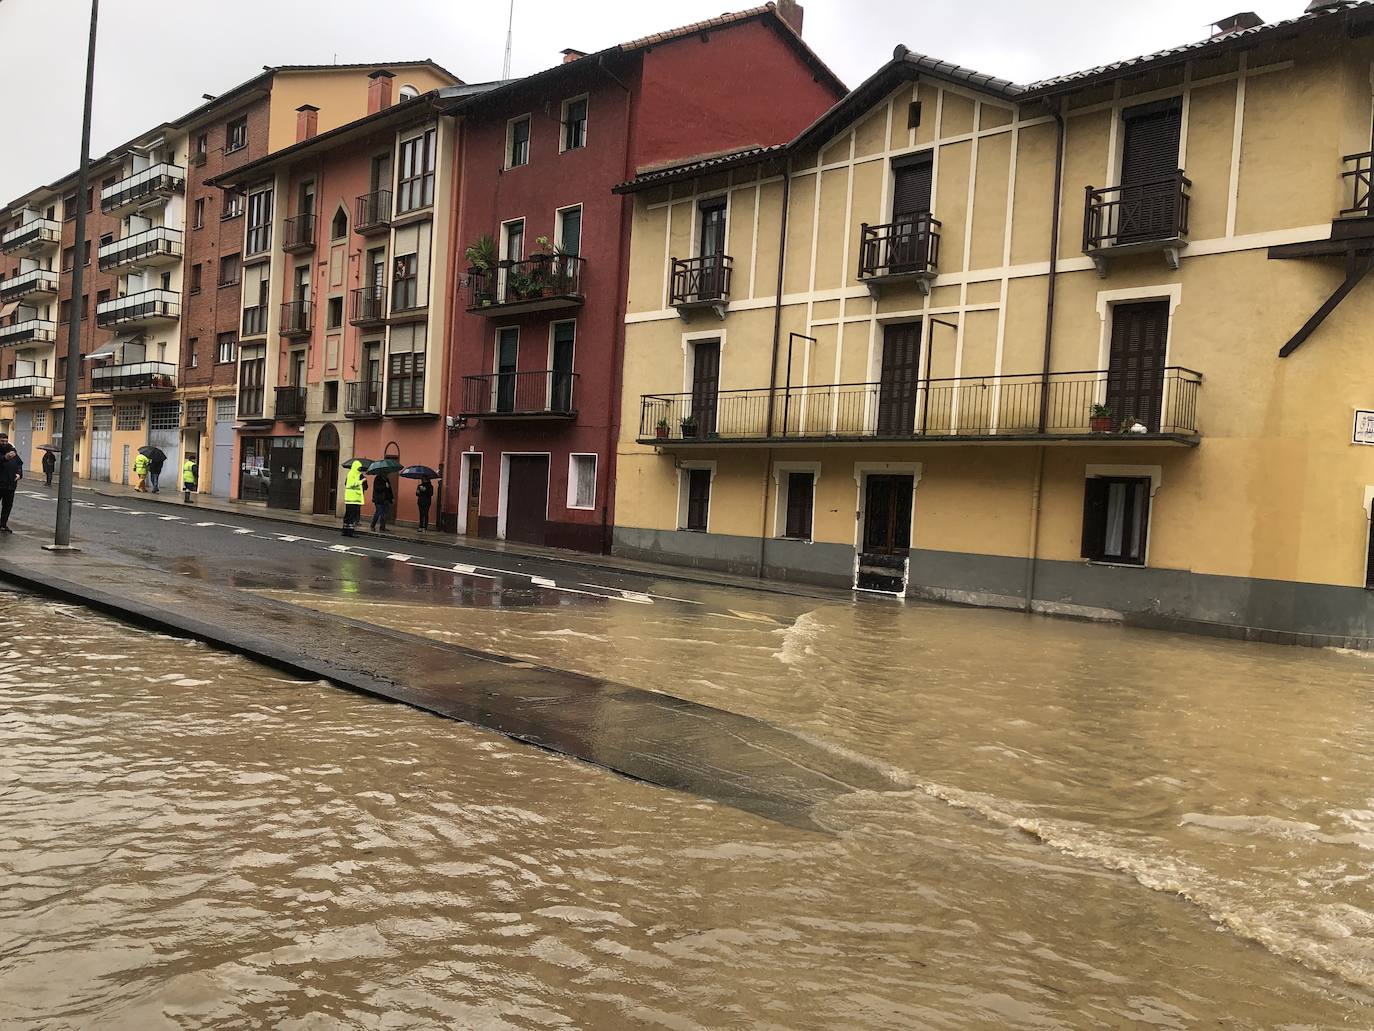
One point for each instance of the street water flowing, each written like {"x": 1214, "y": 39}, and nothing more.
{"x": 1093, "y": 827}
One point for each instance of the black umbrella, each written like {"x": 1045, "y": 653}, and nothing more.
{"x": 366, "y": 462}
{"x": 54, "y": 448}
{"x": 419, "y": 472}
{"x": 155, "y": 453}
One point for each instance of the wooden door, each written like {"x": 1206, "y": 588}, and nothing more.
{"x": 712, "y": 283}
{"x": 474, "y": 498}
{"x": 909, "y": 236}
{"x": 1149, "y": 158}
{"x": 887, "y": 515}
{"x": 1135, "y": 370}
{"x": 527, "y": 498}
{"x": 705, "y": 385}
{"x": 327, "y": 471}
{"x": 900, "y": 380}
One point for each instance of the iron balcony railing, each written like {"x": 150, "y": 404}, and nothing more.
{"x": 36, "y": 330}
{"x": 542, "y": 281}
{"x": 973, "y": 407}
{"x": 254, "y": 321}
{"x": 135, "y": 376}
{"x": 363, "y": 400}
{"x": 367, "y": 305}
{"x": 148, "y": 246}
{"x": 296, "y": 318}
{"x": 548, "y": 394}
{"x": 291, "y": 404}
{"x": 144, "y": 306}
{"x": 906, "y": 247}
{"x": 26, "y": 284}
{"x": 298, "y": 234}
{"x": 35, "y": 233}
{"x": 1359, "y": 184}
{"x": 701, "y": 281}
{"x": 373, "y": 212}
{"x": 1133, "y": 214}
{"x": 160, "y": 180}
{"x": 26, "y": 386}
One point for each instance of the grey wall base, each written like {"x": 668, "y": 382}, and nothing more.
{"x": 1275, "y": 611}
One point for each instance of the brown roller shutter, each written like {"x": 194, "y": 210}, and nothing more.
{"x": 911, "y": 185}
{"x": 1152, "y": 141}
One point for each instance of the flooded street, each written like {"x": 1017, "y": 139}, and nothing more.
{"x": 1097, "y": 827}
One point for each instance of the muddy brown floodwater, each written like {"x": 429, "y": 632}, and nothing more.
{"x": 1101, "y": 828}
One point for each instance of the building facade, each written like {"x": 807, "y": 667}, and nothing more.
{"x": 1020, "y": 345}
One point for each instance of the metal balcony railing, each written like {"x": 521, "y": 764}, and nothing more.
{"x": 26, "y": 284}
{"x": 1137, "y": 214}
{"x": 146, "y": 376}
{"x": 160, "y": 180}
{"x": 1359, "y": 185}
{"x": 701, "y": 281}
{"x": 540, "y": 282}
{"x": 544, "y": 394}
{"x": 144, "y": 306}
{"x": 367, "y": 305}
{"x": 971, "y": 407}
{"x": 36, "y": 233}
{"x": 36, "y": 330}
{"x": 373, "y": 212}
{"x": 363, "y": 400}
{"x": 296, "y": 318}
{"x": 291, "y": 404}
{"x": 298, "y": 234}
{"x": 26, "y": 386}
{"x": 254, "y": 321}
{"x": 906, "y": 247}
{"x": 150, "y": 247}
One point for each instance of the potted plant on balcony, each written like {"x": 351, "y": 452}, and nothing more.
{"x": 688, "y": 426}
{"x": 1101, "y": 419}
{"x": 661, "y": 430}
{"x": 482, "y": 258}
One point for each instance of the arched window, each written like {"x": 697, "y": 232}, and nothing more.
{"x": 340, "y": 227}
{"x": 409, "y": 92}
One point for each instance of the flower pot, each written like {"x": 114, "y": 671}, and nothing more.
{"x": 662, "y": 433}
{"x": 1101, "y": 424}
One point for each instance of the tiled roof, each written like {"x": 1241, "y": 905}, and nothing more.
{"x": 690, "y": 169}
{"x": 955, "y": 73}
{"x": 720, "y": 21}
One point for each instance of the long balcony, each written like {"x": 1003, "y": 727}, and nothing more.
{"x": 363, "y": 400}
{"x": 136, "y": 377}
{"x": 905, "y": 251}
{"x": 367, "y": 306}
{"x": 1135, "y": 218}
{"x": 143, "y": 189}
{"x": 701, "y": 283}
{"x": 254, "y": 321}
{"x": 544, "y": 282}
{"x": 37, "y": 284}
{"x": 152, "y": 247}
{"x": 548, "y": 394}
{"x": 37, "y": 331}
{"x": 26, "y": 388}
{"x": 298, "y": 234}
{"x": 33, "y": 236}
{"x": 291, "y": 404}
{"x": 971, "y": 409}
{"x": 296, "y": 318}
{"x": 372, "y": 213}
{"x": 145, "y": 308}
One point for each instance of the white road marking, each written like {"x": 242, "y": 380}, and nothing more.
{"x": 206, "y": 524}
{"x": 466, "y": 570}
{"x": 243, "y": 531}
{"x": 397, "y": 557}
{"x": 342, "y": 549}
{"x": 542, "y": 581}
{"x": 620, "y": 594}
{"x": 171, "y": 519}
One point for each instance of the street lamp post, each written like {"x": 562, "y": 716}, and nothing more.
{"x": 62, "y": 534}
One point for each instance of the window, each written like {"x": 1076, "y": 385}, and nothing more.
{"x": 202, "y": 145}
{"x": 518, "y": 142}
{"x": 86, "y": 304}
{"x": 225, "y": 347}
{"x": 90, "y": 199}
{"x": 86, "y": 250}
{"x": 191, "y": 352}
{"x": 416, "y": 186}
{"x": 575, "y": 123}
{"x": 570, "y": 230}
{"x": 252, "y": 370}
{"x": 236, "y": 135}
{"x": 405, "y": 387}
{"x": 507, "y": 358}
{"x": 331, "y": 396}
{"x": 259, "y": 221}
{"x": 64, "y": 312}
{"x": 128, "y": 418}
{"x": 195, "y": 278}
{"x": 199, "y": 222}
{"x": 697, "y": 486}
{"x": 1116, "y": 517}
{"x": 334, "y": 311}
{"x": 801, "y": 496}
{"x": 69, "y": 207}
{"x": 233, "y": 206}
{"x": 405, "y": 288}
{"x": 230, "y": 270}
{"x": 561, "y": 367}
{"x": 68, "y": 258}
{"x": 40, "y": 420}
{"x": 408, "y": 92}
{"x": 197, "y": 409}
{"x": 339, "y": 229}
{"x": 582, "y": 481}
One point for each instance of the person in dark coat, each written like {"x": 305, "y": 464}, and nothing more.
{"x": 49, "y": 467}
{"x": 11, "y": 472}
{"x": 155, "y": 463}
{"x": 424, "y": 494}
{"x": 383, "y": 496}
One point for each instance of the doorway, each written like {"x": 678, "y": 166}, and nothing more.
{"x": 705, "y": 385}
{"x": 886, "y": 537}
{"x": 473, "y": 501}
{"x": 222, "y": 456}
{"x": 326, "y": 471}
{"x": 102, "y": 425}
{"x": 284, "y": 473}
{"x": 527, "y": 498}
{"x": 1135, "y": 367}
{"x": 900, "y": 380}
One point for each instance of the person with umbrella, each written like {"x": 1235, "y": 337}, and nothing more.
{"x": 141, "y": 465}
{"x": 49, "y": 467}
{"x": 355, "y": 493}
{"x": 156, "y": 459}
{"x": 383, "y": 497}
{"x": 424, "y": 490}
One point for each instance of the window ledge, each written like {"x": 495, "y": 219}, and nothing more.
{"x": 1114, "y": 565}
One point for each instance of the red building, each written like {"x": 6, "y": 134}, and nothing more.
{"x": 535, "y": 351}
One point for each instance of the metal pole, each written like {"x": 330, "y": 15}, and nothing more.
{"x": 62, "y": 534}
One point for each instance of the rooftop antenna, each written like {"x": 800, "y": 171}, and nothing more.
{"x": 510, "y": 22}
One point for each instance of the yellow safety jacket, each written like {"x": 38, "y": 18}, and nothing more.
{"x": 141, "y": 465}
{"x": 188, "y": 473}
{"x": 353, "y": 486}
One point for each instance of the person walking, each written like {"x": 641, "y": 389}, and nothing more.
{"x": 141, "y": 466}
{"x": 424, "y": 494}
{"x": 188, "y": 479}
{"x": 11, "y": 472}
{"x": 355, "y": 493}
{"x": 155, "y": 463}
{"x": 49, "y": 467}
{"x": 382, "y": 499}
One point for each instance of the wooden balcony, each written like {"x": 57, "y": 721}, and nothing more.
{"x": 1137, "y": 218}
{"x": 544, "y": 282}
{"x": 702, "y": 282}
{"x": 905, "y": 251}
{"x": 546, "y": 394}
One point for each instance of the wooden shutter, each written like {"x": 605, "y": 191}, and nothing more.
{"x": 1152, "y": 141}
{"x": 705, "y": 384}
{"x": 698, "y": 498}
{"x": 911, "y": 184}
{"x": 900, "y": 382}
{"x": 1135, "y": 370}
{"x": 1095, "y": 517}
{"x": 801, "y": 490}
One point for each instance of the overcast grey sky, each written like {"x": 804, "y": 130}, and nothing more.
{"x": 156, "y": 59}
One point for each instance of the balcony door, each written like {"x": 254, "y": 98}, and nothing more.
{"x": 1149, "y": 160}
{"x": 372, "y": 375}
{"x": 298, "y": 370}
{"x": 507, "y": 357}
{"x": 301, "y": 291}
{"x": 712, "y": 250}
{"x": 561, "y": 366}
{"x": 900, "y": 380}
{"x": 1135, "y": 369}
{"x": 911, "y": 189}
{"x": 705, "y": 385}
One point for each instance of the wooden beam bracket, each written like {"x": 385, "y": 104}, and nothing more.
{"x": 1357, "y": 266}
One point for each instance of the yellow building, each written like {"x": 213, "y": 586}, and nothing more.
{"x": 864, "y": 359}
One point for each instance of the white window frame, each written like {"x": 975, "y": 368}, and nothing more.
{"x": 510, "y": 141}
{"x": 781, "y": 472}
{"x": 683, "y": 489}
{"x": 563, "y": 123}
{"x": 581, "y": 209}
{"x": 572, "y": 486}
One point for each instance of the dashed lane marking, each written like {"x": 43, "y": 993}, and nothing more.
{"x": 398, "y": 557}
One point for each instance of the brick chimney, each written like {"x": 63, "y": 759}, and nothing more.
{"x": 307, "y": 121}
{"x": 570, "y": 55}
{"x": 379, "y": 91}
{"x": 791, "y": 12}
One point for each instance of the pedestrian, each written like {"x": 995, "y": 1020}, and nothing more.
{"x": 49, "y": 467}
{"x": 141, "y": 466}
{"x": 355, "y": 492}
{"x": 188, "y": 478}
{"x": 424, "y": 494}
{"x": 11, "y": 472}
{"x": 382, "y": 498}
{"x": 155, "y": 461}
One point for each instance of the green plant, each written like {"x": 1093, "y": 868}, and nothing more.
{"x": 662, "y": 425}
{"x": 689, "y": 426}
{"x": 481, "y": 253}
{"x": 1101, "y": 412}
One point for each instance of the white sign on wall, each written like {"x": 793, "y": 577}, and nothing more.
{"x": 1364, "y": 427}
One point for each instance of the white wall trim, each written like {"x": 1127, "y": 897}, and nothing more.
{"x": 780, "y": 495}
{"x": 685, "y": 467}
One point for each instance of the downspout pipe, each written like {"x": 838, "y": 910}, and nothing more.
{"x": 773, "y": 364}
{"x": 618, "y": 341}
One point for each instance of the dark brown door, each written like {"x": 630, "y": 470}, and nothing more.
{"x": 909, "y": 238}
{"x": 712, "y": 283}
{"x": 705, "y": 385}
{"x": 527, "y": 498}
{"x": 887, "y": 515}
{"x": 326, "y": 471}
{"x": 1149, "y": 160}
{"x": 1135, "y": 370}
{"x": 900, "y": 380}
{"x": 474, "y": 499}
